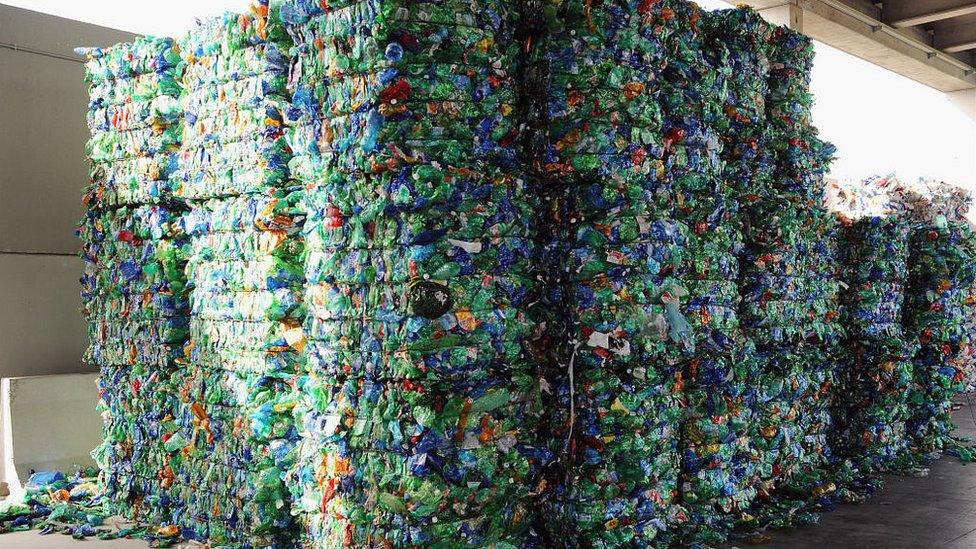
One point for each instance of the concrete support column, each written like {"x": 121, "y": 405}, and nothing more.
{"x": 965, "y": 100}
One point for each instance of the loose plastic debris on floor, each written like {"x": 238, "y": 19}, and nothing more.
{"x": 56, "y": 503}
{"x": 393, "y": 274}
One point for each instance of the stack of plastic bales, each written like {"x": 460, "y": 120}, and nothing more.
{"x": 704, "y": 163}
{"x": 941, "y": 272}
{"x": 790, "y": 273}
{"x": 320, "y": 285}
{"x": 237, "y": 436}
{"x": 739, "y": 40}
{"x": 420, "y": 401}
{"x": 613, "y": 258}
{"x": 802, "y": 160}
{"x": 133, "y": 285}
{"x": 872, "y": 405}
{"x": 642, "y": 251}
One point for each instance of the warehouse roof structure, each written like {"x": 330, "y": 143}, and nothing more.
{"x": 930, "y": 41}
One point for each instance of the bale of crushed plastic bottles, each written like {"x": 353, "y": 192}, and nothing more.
{"x": 872, "y": 407}
{"x": 133, "y": 287}
{"x": 235, "y": 437}
{"x": 419, "y": 400}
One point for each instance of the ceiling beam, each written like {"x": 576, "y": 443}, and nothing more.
{"x": 911, "y": 13}
{"x": 962, "y": 46}
{"x": 955, "y": 39}
{"x": 854, "y": 27}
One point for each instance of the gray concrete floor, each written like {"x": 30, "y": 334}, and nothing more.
{"x": 28, "y": 540}
{"x": 937, "y": 511}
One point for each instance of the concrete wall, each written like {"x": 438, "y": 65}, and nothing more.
{"x": 965, "y": 100}
{"x": 42, "y": 173}
{"x": 64, "y": 446}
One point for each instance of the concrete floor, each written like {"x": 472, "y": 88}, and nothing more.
{"x": 933, "y": 512}
{"x": 29, "y": 540}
